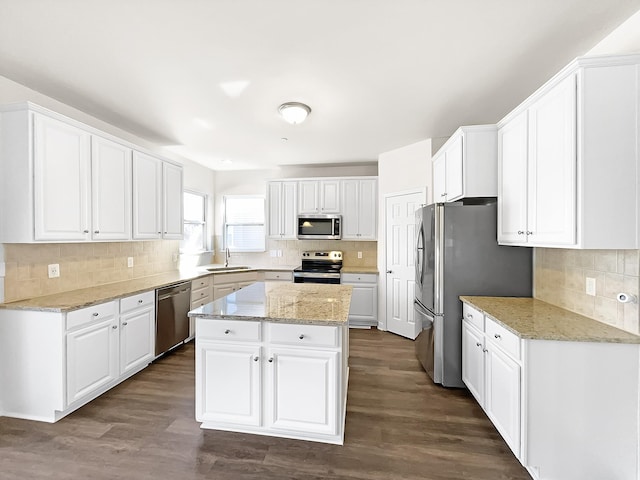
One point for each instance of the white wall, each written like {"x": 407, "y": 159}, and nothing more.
{"x": 624, "y": 39}
{"x": 401, "y": 170}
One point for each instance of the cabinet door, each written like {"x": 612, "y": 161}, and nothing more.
{"x": 61, "y": 176}
{"x": 512, "y": 181}
{"x": 301, "y": 390}
{"x": 473, "y": 365}
{"x": 367, "y": 209}
{"x": 440, "y": 179}
{"x": 110, "y": 190}
{"x": 502, "y": 401}
{"x": 308, "y": 196}
{"x": 274, "y": 209}
{"x": 137, "y": 339}
{"x": 229, "y": 383}
{"x": 289, "y": 222}
{"x": 454, "y": 170}
{"x": 92, "y": 358}
{"x": 350, "y": 209}
{"x": 363, "y": 304}
{"x": 329, "y": 196}
{"x": 551, "y": 216}
{"x": 172, "y": 198}
{"x": 147, "y": 196}
{"x": 223, "y": 290}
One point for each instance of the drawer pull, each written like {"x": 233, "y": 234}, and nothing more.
{"x": 227, "y": 331}
{"x": 301, "y": 336}
{"x": 497, "y": 336}
{"x": 95, "y": 314}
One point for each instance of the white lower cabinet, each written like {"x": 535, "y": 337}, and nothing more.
{"x": 276, "y": 379}
{"x": 92, "y": 358}
{"x": 363, "y": 311}
{"x": 61, "y": 361}
{"x": 567, "y": 409}
{"x": 226, "y": 283}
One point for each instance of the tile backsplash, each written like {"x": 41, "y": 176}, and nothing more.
{"x": 560, "y": 279}
{"x": 81, "y": 265}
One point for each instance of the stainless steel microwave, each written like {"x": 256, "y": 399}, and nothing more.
{"x": 319, "y": 227}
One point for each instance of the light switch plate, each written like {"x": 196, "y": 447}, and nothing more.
{"x": 591, "y": 286}
{"x": 129, "y": 262}
{"x": 359, "y": 254}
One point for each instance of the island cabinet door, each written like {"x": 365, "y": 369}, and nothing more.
{"x": 302, "y": 390}
{"x": 228, "y": 390}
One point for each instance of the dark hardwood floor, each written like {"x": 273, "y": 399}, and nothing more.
{"x": 399, "y": 426}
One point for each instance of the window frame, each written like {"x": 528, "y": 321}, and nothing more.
{"x": 225, "y": 224}
{"x": 205, "y": 225}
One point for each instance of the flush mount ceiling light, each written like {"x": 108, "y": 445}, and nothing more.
{"x": 294, "y": 112}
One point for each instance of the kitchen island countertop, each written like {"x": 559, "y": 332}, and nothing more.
{"x": 534, "y": 319}
{"x": 302, "y": 303}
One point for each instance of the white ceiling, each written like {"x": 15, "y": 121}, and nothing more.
{"x": 378, "y": 74}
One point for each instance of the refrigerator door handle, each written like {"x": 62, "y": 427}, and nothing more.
{"x": 420, "y": 256}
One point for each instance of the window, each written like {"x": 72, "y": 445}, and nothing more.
{"x": 195, "y": 223}
{"x": 244, "y": 223}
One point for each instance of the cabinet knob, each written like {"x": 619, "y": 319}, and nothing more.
{"x": 529, "y": 232}
{"x": 86, "y": 231}
{"x": 95, "y": 314}
{"x": 301, "y": 336}
{"x": 96, "y": 231}
{"x": 256, "y": 358}
{"x": 124, "y": 323}
{"x": 520, "y": 232}
{"x": 478, "y": 344}
{"x": 114, "y": 326}
{"x": 443, "y": 194}
{"x": 485, "y": 350}
{"x": 159, "y": 233}
{"x": 227, "y": 332}
{"x": 469, "y": 315}
{"x": 271, "y": 360}
{"x": 497, "y": 336}
{"x": 389, "y": 271}
{"x": 140, "y": 301}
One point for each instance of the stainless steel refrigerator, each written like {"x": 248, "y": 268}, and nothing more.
{"x": 457, "y": 253}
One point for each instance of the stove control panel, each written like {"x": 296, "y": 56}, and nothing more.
{"x": 332, "y": 255}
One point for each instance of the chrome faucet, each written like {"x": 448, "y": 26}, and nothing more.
{"x": 227, "y": 256}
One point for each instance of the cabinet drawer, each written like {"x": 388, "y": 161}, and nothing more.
{"x": 200, "y": 302}
{"x": 200, "y": 293}
{"x": 137, "y": 301}
{"x": 86, "y": 315}
{"x": 474, "y": 316}
{"x": 499, "y": 335}
{"x": 201, "y": 282}
{"x": 359, "y": 278}
{"x": 232, "y": 330}
{"x": 287, "y": 276}
{"x": 303, "y": 335}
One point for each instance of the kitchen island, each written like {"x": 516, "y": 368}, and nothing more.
{"x": 272, "y": 359}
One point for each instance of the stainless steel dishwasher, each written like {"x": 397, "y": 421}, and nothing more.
{"x": 172, "y": 323}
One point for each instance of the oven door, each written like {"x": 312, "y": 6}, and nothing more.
{"x": 316, "y": 277}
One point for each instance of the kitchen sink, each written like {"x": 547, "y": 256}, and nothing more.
{"x": 222, "y": 268}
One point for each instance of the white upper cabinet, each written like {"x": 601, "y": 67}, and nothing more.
{"x": 61, "y": 173}
{"x": 319, "y": 196}
{"x": 110, "y": 190}
{"x": 466, "y": 165}
{"x": 157, "y": 198}
{"x": 282, "y": 209}
{"x": 359, "y": 208}
{"x": 172, "y": 201}
{"x": 568, "y": 160}
{"x": 147, "y": 196}
{"x": 63, "y": 181}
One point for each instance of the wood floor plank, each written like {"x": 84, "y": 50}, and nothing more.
{"x": 399, "y": 426}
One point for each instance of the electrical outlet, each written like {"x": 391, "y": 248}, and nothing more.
{"x": 273, "y": 253}
{"x": 129, "y": 262}
{"x": 54, "y": 270}
{"x": 175, "y": 257}
{"x": 359, "y": 254}
{"x": 591, "y": 286}
{"x": 279, "y": 253}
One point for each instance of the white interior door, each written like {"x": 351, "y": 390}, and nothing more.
{"x": 400, "y": 234}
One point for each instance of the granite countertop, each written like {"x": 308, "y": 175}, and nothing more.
{"x": 85, "y": 297}
{"x": 534, "y": 319}
{"x": 303, "y": 303}
{"x": 359, "y": 270}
